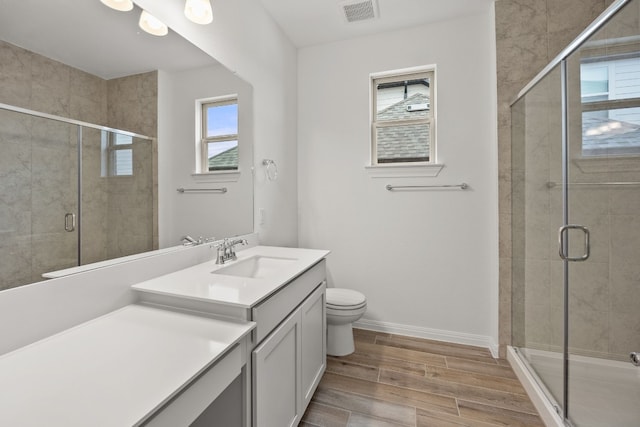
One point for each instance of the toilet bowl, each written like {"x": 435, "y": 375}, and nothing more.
{"x": 344, "y": 306}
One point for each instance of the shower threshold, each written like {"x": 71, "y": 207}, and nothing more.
{"x": 601, "y": 392}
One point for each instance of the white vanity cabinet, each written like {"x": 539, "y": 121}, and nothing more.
{"x": 288, "y": 345}
{"x": 289, "y": 364}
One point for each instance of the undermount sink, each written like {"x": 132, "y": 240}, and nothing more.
{"x": 256, "y": 267}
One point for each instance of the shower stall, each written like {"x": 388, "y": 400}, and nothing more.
{"x": 71, "y": 193}
{"x": 576, "y": 227}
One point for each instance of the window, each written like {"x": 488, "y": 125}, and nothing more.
{"x": 117, "y": 157}
{"x": 403, "y": 118}
{"x": 219, "y": 135}
{"x": 610, "y": 92}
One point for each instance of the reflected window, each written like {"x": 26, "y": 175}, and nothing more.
{"x": 117, "y": 154}
{"x": 219, "y": 140}
{"x": 610, "y": 93}
{"x": 402, "y": 118}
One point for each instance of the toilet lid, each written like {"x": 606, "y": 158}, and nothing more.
{"x": 344, "y": 298}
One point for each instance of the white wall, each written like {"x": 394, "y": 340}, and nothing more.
{"x": 245, "y": 39}
{"x": 201, "y": 214}
{"x": 426, "y": 260}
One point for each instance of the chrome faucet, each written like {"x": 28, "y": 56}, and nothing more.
{"x": 190, "y": 241}
{"x": 227, "y": 250}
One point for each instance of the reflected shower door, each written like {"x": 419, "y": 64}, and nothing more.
{"x": 38, "y": 197}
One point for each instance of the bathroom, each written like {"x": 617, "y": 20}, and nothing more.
{"x": 433, "y": 264}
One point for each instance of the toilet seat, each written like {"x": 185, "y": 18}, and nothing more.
{"x": 345, "y": 299}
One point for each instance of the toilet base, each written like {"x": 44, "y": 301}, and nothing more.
{"x": 340, "y": 340}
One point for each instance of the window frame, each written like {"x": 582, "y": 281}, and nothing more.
{"x": 393, "y": 76}
{"x": 607, "y": 105}
{"x": 204, "y": 141}
{"x": 110, "y": 148}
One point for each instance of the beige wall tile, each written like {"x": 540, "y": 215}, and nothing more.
{"x": 15, "y": 260}
{"x": 15, "y": 75}
{"x": 624, "y": 337}
{"x": 520, "y": 17}
{"x": 572, "y": 14}
{"x": 538, "y": 281}
{"x": 589, "y": 330}
{"x": 513, "y": 52}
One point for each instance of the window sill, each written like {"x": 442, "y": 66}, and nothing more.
{"x": 217, "y": 176}
{"x": 606, "y": 164}
{"x": 404, "y": 171}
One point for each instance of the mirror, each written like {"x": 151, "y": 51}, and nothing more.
{"x": 84, "y": 61}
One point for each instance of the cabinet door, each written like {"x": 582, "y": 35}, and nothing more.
{"x": 276, "y": 368}
{"x": 314, "y": 342}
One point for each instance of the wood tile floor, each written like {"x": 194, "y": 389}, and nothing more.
{"x": 393, "y": 380}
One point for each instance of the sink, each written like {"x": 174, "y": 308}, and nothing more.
{"x": 256, "y": 267}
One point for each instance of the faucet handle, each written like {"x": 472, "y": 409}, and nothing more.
{"x": 232, "y": 247}
{"x": 221, "y": 251}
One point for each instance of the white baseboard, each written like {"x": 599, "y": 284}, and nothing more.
{"x": 430, "y": 334}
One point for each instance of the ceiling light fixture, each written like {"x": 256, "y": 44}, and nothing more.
{"x": 121, "y": 5}
{"x": 152, "y": 25}
{"x": 199, "y": 11}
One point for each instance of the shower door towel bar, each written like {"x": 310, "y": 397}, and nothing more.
{"x": 606, "y": 184}
{"x": 462, "y": 186}
{"x": 202, "y": 190}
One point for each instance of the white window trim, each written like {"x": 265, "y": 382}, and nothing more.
{"x": 200, "y": 170}
{"x": 217, "y": 176}
{"x": 408, "y": 169}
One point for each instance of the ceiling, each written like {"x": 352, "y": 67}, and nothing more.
{"x": 311, "y": 22}
{"x": 89, "y": 36}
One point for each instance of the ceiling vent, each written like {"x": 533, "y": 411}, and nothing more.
{"x": 359, "y": 10}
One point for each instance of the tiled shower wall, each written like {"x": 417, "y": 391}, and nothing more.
{"x": 529, "y": 34}
{"x": 31, "y": 240}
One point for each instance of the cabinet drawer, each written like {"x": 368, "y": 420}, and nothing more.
{"x": 271, "y": 312}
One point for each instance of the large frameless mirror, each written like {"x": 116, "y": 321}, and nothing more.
{"x": 98, "y": 131}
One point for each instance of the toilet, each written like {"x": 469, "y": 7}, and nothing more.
{"x": 344, "y": 306}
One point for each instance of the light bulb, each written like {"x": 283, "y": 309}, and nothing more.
{"x": 152, "y": 25}
{"x": 198, "y": 11}
{"x": 121, "y": 5}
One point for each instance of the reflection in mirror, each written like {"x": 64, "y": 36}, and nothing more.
{"x": 72, "y": 191}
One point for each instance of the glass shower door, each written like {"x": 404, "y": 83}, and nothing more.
{"x": 38, "y": 198}
{"x": 603, "y": 195}
{"x": 537, "y": 297}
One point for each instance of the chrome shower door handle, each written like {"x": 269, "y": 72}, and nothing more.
{"x": 70, "y": 222}
{"x": 562, "y": 231}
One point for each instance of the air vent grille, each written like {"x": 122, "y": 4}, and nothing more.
{"x": 359, "y": 10}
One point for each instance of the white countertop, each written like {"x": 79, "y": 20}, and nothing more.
{"x": 199, "y": 282}
{"x": 114, "y": 370}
